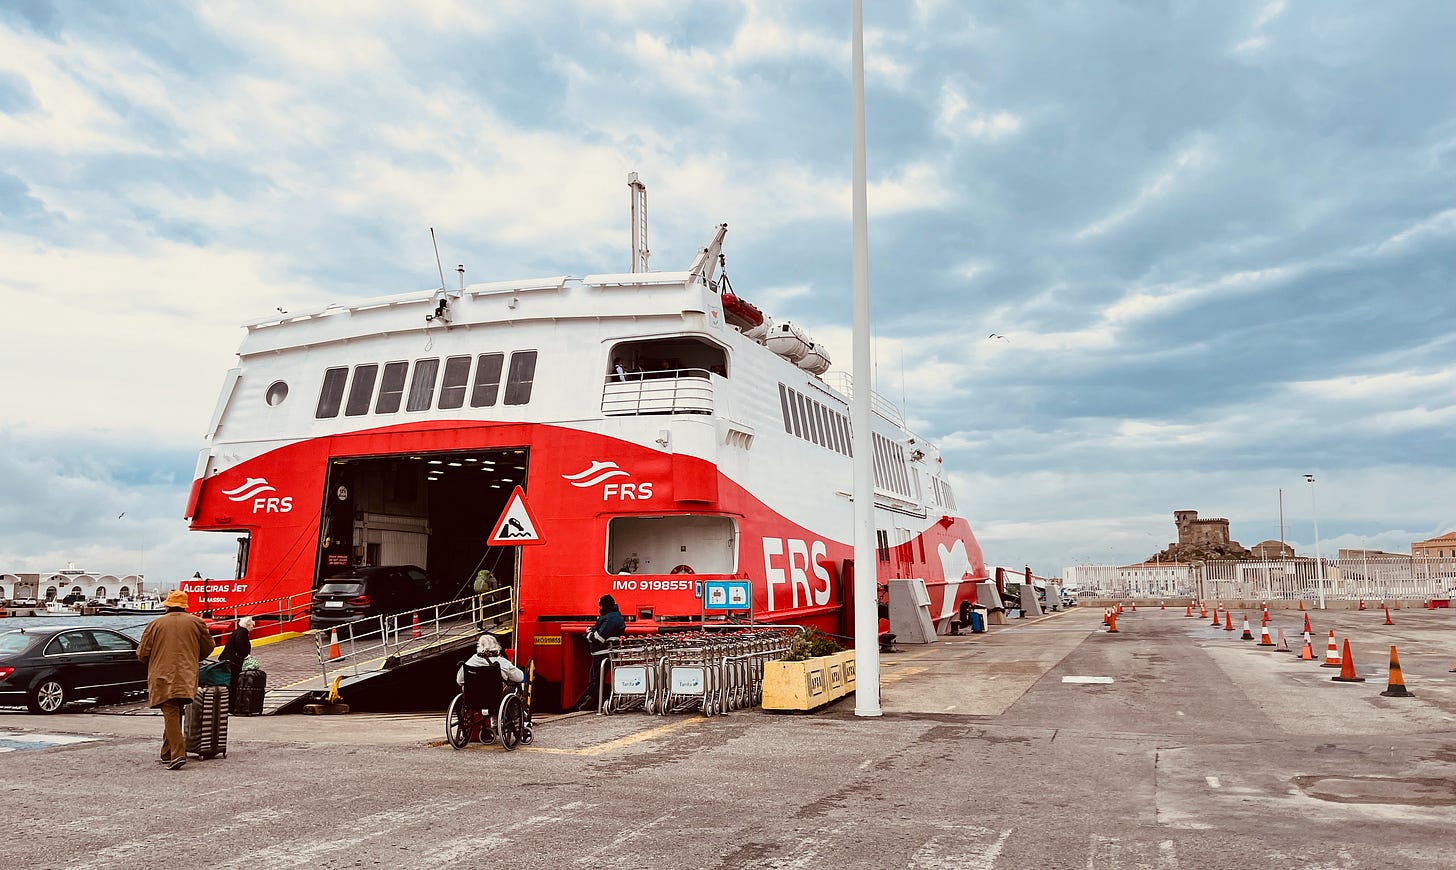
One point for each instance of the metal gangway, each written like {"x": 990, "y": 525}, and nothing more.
{"x": 710, "y": 670}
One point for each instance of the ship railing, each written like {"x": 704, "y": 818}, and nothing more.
{"x": 665, "y": 391}
{"x": 1374, "y": 578}
{"x": 673, "y": 672}
{"x": 273, "y": 615}
{"x": 842, "y": 383}
{"x": 380, "y": 642}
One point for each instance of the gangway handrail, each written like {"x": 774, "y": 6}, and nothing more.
{"x": 395, "y": 631}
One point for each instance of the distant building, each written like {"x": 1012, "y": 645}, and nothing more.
{"x": 1272, "y": 550}
{"x": 69, "y": 582}
{"x": 1193, "y": 532}
{"x": 1353, "y": 555}
{"x": 1442, "y": 547}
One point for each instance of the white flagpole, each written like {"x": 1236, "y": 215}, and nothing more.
{"x": 866, "y": 604}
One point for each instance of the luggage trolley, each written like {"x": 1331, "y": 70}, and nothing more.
{"x": 633, "y": 682}
{"x": 485, "y": 711}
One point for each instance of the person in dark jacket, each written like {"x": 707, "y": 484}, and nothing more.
{"x": 239, "y": 646}
{"x": 609, "y": 624}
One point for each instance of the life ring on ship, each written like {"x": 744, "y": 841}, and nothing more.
{"x": 683, "y": 569}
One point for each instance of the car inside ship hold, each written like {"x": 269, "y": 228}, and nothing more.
{"x": 431, "y": 510}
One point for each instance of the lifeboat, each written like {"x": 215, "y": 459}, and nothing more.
{"x": 816, "y": 361}
{"x": 788, "y": 341}
{"x": 740, "y": 312}
{"x": 761, "y": 331}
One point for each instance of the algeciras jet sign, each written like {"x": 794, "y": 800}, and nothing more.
{"x": 255, "y": 490}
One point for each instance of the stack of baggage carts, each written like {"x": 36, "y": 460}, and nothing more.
{"x": 675, "y": 672}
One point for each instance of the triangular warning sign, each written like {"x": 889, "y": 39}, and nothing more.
{"x": 517, "y": 525}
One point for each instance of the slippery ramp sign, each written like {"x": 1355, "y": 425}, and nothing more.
{"x": 517, "y": 526}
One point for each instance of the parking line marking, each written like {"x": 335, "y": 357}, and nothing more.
{"x": 1091, "y": 680}
{"x": 619, "y": 743}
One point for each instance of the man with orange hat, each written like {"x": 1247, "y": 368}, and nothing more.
{"x": 172, "y": 645}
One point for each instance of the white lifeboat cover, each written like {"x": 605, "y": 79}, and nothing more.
{"x": 788, "y": 341}
{"x": 816, "y": 361}
{"x": 760, "y": 332}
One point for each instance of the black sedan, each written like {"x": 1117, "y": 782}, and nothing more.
{"x": 47, "y": 668}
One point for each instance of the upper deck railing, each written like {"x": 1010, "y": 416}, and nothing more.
{"x": 842, "y": 383}
{"x": 668, "y": 391}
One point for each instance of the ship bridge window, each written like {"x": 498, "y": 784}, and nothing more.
{"x": 391, "y": 388}
{"x": 522, "y": 376}
{"x": 332, "y": 394}
{"x": 452, "y": 388}
{"x": 487, "y": 380}
{"x": 422, "y": 385}
{"x": 686, "y": 544}
{"x": 361, "y": 390}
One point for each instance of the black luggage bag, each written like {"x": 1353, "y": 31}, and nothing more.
{"x": 207, "y": 722}
{"x": 251, "y": 687}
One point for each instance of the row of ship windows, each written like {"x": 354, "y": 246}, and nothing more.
{"x": 943, "y": 495}
{"x": 819, "y": 424}
{"x": 484, "y": 388}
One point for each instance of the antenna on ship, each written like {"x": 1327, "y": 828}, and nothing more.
{"x": 442, "y": 303}
{"x": 640, "y": 253}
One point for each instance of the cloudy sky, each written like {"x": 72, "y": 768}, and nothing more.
{"x": 1218, "y": 238}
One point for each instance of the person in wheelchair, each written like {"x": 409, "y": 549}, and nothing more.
{"x": 488, "y": 655}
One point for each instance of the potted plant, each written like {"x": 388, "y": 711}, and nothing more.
{"x": 812, "y": 673}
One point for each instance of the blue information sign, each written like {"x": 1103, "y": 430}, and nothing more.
{"x": 727, "y": 595}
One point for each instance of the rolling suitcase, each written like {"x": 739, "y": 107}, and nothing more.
{"x": 251, "y": 687}
{"x": 207, "y": 722}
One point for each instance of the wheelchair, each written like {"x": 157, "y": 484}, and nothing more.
{"x": 487, "y": 712}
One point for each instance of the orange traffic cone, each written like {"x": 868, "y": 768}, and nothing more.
{"x": 1134, "y": 607}
{"x": 1112, "y": 624}
{"x": 1264, "y": 638}
{"x": 1106, "y": 615}
{"x": 1307, "y": 629}
{"x": 1228, "y": 621}
{"x": 1362, "y": 604}
{"x": 1307, "y": 654}
{"x": 1347, "y": 668}
{"x": 1332, "y": 655}
{"x": 1203, "y": 611}
{"x": 1248, "y": 635}
{"x": 1387, "y": 617}
{"x": 415, "y": 628}
{"x": 1265, "y": 619}
{"x": 1395, "y": 604}
{"x": 1283, "y": 645}
{"x": 1188, "y": 613}
{"x": 1216, "y": 620}
{"x": 1395, "y": 686}
{"x": 334, "y": 652}
{"x": 1301, "y": 604}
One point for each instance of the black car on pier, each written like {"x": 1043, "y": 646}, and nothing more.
{"x": 46, "y": 668}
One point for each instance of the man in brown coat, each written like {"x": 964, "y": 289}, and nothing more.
{"x": 172, "y": 645}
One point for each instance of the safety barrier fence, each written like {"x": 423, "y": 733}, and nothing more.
{"x": 273, "y": 614}
{"x": 664, "y": 391}
{"x": 1340, "y": 579}
{"x": 713, "y": 671}
{"x": 364, "y": 642}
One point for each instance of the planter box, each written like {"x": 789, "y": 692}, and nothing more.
{"x": 808, "y": 684}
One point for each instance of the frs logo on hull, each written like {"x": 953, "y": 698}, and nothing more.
{"x": 600, "y": 472}
{"x": 253, "y": 490}
{"x": 796, "y": 564}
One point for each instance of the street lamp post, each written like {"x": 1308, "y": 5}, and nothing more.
{"x": 1319, "y": 562}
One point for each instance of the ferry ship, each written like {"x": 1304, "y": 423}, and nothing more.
{"x": 662, "y": 431}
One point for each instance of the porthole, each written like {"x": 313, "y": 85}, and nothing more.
{"x": 277, "y": 392}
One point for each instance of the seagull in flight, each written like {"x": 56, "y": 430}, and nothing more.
{"x": 998, "y": 335}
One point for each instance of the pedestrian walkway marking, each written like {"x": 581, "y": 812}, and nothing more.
{"x": 21, "y": 741}
{"x": 1086, "y": 679}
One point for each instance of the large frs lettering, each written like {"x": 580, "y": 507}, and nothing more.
{"x": 791, "y": 562}
{"x": 273, "y": 505}
{"x": 627, "y": 491}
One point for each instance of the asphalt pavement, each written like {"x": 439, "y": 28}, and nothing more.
{"x": 1046, "y": 743}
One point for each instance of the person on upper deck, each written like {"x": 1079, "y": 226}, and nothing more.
{"x": 618, "y": 370}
